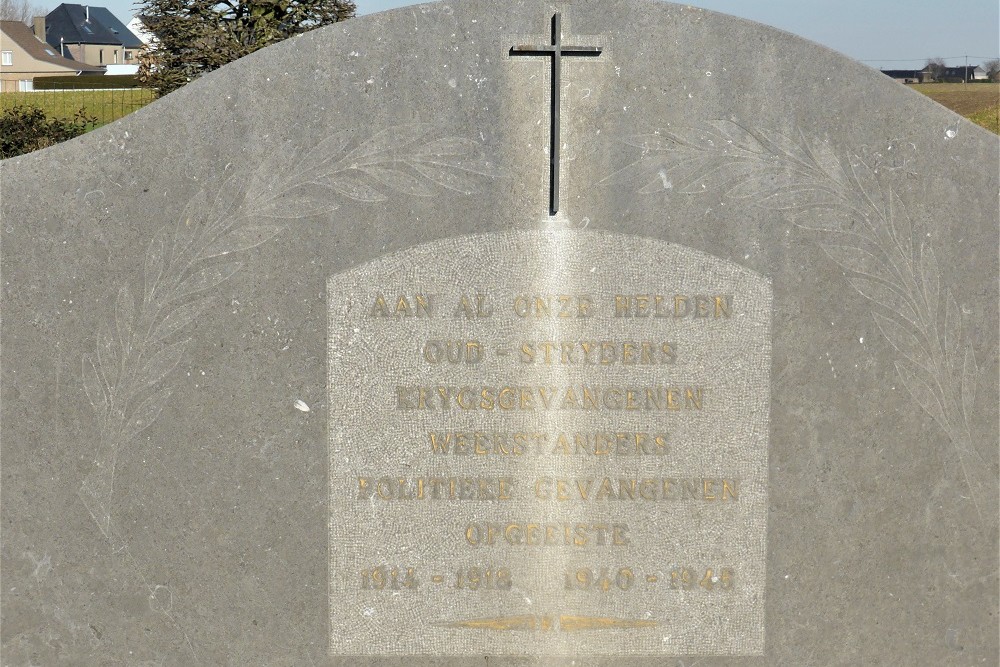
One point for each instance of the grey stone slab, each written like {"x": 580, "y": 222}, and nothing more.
{"x": 207, "y": 409}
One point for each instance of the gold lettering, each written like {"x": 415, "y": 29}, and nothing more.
{"x": 621, "y": 305}
{"x": 464, "y": 308}
{"x": 403, "y": 306}
{"x": 381, "y": 308}
{"x": 701, "y": 306}
{"x": 423, "y": 305}
{"x": 693, "y": 398}
{"x": 442, "y": 446}
{"x": 680, "y": 300}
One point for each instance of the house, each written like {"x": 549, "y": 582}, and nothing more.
{"x": 905, "y": 75}
{"x": 970, "y": 73}
{"x": 957, "y": 74}
{"x": 24, "y": 57}
{"x": 138, "y": 28}
{"x": 90, "y": 35}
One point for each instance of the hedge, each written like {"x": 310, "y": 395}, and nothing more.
{"x": 87, "y": 82}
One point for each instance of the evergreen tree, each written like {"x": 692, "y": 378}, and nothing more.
{"x": 192, "y": 37}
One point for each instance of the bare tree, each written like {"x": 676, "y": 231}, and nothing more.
{"x": 992, "y": 68}
{"x": 20, "y": 10}
{"x": 935, "y": 68}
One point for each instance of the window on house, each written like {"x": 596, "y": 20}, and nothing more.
{"x": 25, "y": 85}
{"x": 116, "y": 57}
{"x": 128, "y": 55}
{"x": 100, "y": 56}
{"x": 7, "y": 58}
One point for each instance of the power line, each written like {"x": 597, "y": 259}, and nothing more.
{"x": 911, "y": 60}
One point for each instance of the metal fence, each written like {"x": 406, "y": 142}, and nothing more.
{"x": 100, "y": 105}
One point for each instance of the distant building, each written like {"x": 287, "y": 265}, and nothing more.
{"x": 957, "y": 74}
{"x": 970, "y": 73}
{"x": 139, "y": 29}
{"x": 905, "y": 75}
{"x": 24, "y": 57}
{"x": 90, "y": 35}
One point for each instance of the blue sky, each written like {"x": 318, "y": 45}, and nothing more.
{"x": 877, "y": 31}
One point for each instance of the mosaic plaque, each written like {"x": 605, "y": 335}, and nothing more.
{"x": 548, "y": 443}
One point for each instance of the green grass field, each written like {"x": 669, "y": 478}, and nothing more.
{"x": 988, "y": 118}
{"x": 105, "y": 105}
{"x": 979, "y": 102}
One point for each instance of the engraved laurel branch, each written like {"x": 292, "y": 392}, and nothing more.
{"x": 143, "y": 341}
{"x": 866, "y": 231}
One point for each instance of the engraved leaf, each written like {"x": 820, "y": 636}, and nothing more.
{"x": 179, "y": 318}
{"x": 264, "y": 179}
{"x": 734, "y": 142}
{"x": 661, "y": 142}
{"x": 155, "y": 260}
{"x": 394, "y": 138}
{"x": 922, "y": 392}
{"x": 827, "y": 161}
{"x": 241, "y": 238}
{"x": 800, "y": 197}
{"x": 757, "y": 186}
{"x": 666, "y": 174}
{"x": 398, "y": 179}
{"x": 902, "y": 229}
{"x": 822, "y": 220}
{"x": 324, "y": 152}
{"x": 206, "y": 278}
{"x": 674, "y": 174}
{"x": 124, "y": 314}
{"x": 781, "y": 144}
{"x": 703, "y": 173}
{"x": 187, "y": 225}
{"x": 659, "y": 184}
{"x": 356, "y": 189}
{"x": 710, "y": 141}
{"x": 970, "y": 376}
{"x": 93, "y": 386}
{"x": 145, "y": 415}
{"x": 107, "y": 351}
{"x": 931, "y": 278}
{"x": 883, "y": 295}
{"x": 447, "y": 177}
{"x": 738, "y": 135}
{"x": 952, "y": 332}
{"x": 160, "y": 364}
{"x": 867, "y": 183}
{"x": 903, "y": 340}
{"x": 225, "y": 199}
{"x": 857, "y": 260}
{"x": 448, "y": 147}
{"x": 292, "y": 208}
{"x": 482, "y": 167}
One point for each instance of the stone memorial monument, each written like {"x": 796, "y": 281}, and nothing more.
{"x": 498, "y": 333}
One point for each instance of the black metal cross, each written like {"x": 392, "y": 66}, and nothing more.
{"x": 557, "y": 50}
